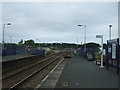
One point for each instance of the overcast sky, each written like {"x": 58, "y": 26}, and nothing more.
{"x": 57, "y": 22}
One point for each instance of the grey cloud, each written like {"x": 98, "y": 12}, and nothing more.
{"x": 58, "y": 21}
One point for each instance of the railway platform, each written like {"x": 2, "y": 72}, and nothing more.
{"x": 80, "y": 73}
{"x": 17, "y": 56}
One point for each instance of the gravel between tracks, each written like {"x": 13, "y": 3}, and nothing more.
{"x": 8, "y": 82}
{"x": 37, "y": 78}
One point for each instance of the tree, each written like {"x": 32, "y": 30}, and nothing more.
{"x": 93, "y": 45}
{"x": 29, "y": 43}
{"x": 21, "y": 42}
{"x": 104, "y": 45}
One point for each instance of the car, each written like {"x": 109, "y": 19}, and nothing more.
{"x": 89, "y": 56}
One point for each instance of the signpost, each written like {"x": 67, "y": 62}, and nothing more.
{"x": 98, "y": 36}
{"x": 101, "y": 36}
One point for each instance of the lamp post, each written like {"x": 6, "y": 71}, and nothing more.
{"x": 110, "y": 26}
{"x": 4, "y": 33}
{"x": 101, "y": 36}
{"x": 84, "y": 38}
{"x": 10, "y": 39}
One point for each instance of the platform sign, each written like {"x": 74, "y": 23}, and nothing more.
{"x": 112, "y": 59}
{"x": 113, "y": 51}
{"x": 109, "y": 50}
{"x": 98, "y": 36}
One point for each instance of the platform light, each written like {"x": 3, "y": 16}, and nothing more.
{"x": 84, "y": 37}
{"x": 110, "y": 26}
{"x": 4, "y": 33}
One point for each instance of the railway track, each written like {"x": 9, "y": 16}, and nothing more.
{"x": 11, "y": 71}
{"x": 23, "y": 76}
{"x": 11, "y": 65}
{"x": 17, "y": 69}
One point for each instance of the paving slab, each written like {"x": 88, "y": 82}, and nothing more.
{"x": 51, "y": 79}
{"x": 80, "y": 73}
